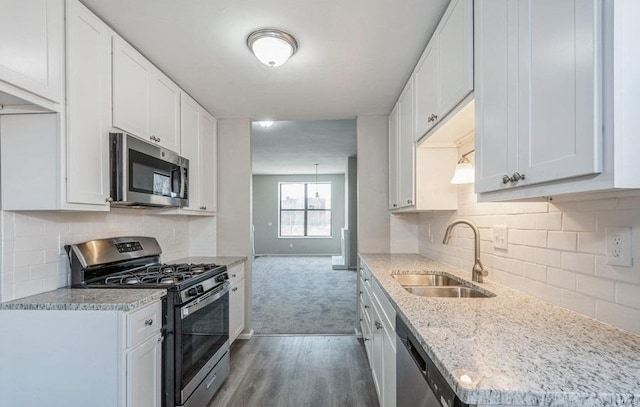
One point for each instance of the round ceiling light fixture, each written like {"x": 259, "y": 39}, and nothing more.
{"x": 271, "y": 46}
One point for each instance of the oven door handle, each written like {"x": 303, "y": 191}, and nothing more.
{"x": 204, "y": 301}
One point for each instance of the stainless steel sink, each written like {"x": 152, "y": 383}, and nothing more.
{"x": 447, "y": 292}
{"x": 431, "y": 280}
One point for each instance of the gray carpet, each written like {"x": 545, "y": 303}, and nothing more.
{"x": 302, "y": 295}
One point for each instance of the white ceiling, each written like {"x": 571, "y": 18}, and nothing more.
{"x": 294, "y": 147}
{"x": 354, "y": 56}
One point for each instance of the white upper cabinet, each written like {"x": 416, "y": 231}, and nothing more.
{"x": 444, "y": 74}
{"x": 538, "y": 90}
{"x": 146, "y": 103}
{"x": 406, "y": 147}
{"x": 88, "y": 106}
{"x": 131, "y": 89}
{"x": 31, "y": 50}
{"x": 208, "y": 162}
{"x": 165, "y": 112}
{"x": 198, "y": 130}
{"x": 393, "y": 159}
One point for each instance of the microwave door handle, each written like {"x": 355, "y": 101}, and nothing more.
{"x": 183, "y": 182}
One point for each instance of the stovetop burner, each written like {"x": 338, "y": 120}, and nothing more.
{"x": 157, "y": 274}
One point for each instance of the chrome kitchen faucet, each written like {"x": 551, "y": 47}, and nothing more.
{"x": 478, "y": 271}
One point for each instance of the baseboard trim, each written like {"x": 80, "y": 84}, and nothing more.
{"x": 246, "y": 335}
{"x": 285, "y": 335}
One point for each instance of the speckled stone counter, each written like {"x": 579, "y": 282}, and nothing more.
{"x": 516, "y": 349}
{"x": 228, "y": 261}
{"x": 87, "y": 299}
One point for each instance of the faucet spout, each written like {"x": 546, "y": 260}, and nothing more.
{"x": 478, "y": 271}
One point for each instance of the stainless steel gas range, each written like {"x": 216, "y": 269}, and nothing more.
{"x": 195, "y": 310}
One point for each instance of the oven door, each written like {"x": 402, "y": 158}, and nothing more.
{"x": 202, "y": 339}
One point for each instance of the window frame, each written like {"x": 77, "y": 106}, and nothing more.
{"x": 305, "y": 210}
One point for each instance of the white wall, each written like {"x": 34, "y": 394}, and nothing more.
{"x": 31, "y": 262}
{"x": 373, "y": 184}
{"x": 556, "y": 251}
{"x": 234, "y": 197}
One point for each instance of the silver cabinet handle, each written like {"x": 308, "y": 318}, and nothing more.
{"x": 148, "y": 322}
{"x": 108, "y": 199}
{"x": 233, "y": 276}
{"x": 378, "y": 325}
{"x": 506, "y": 179}
{"x": 366, "y": 307}
{"x": 234, "y": 289}
{"x": 366, "y": 279}
{"x": 517, "y": 177}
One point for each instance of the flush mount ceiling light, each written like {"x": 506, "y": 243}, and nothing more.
{"x": 266, "y": 123}
{"x": 271, "y": 46}
{"x": 464, "y": 173}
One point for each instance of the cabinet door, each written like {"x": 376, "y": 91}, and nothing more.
{"x": 393, "y": 159}
{"x": 455, "y": 55}
{"x": 389, "y": 368}
{"x": 164, "y": 112}
{"x": 559, "y": 83}
{"x": 495, "y": 96}
{"x": 88, "y": 106}
{"x": 377, "y": 343}
{"x": 426, "y": 89}
{"x": 208, "y": 162}
{"x": 31, "y": 50}
{"x": 190, "y": 129}
{"x": 144, "y": 374}
{"x": 406, "y": 147}
{"x": 131, "y": 82}
{"x": 236, "y": 310}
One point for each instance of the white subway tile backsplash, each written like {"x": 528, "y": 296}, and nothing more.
{"x": 536, "y": 238}
{"x": 31, "y": 262}
{"x": 580, "y": 262}
{"x": 578, "y": 221}
{"x": 561, "y": 278}
{"x": 555, "y": 252}
{"x": 628, "y": 294}
{"x": 562, "y": 240}
{"x": 615, "y": 314}
{"x": 596, "y": 287}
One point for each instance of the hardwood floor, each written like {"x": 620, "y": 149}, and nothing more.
{"x": 298, "y": 371}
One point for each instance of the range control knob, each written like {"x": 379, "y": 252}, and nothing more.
{"x": 200, "y": 289}
{"x": 191, "y": 292}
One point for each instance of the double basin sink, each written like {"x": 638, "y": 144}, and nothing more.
{"x": 438, "y": 285}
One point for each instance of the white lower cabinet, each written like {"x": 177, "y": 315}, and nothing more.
{"x": 377, "y": 321}
{"x": 76, "y": 358}
{"x": 236, "y": 302}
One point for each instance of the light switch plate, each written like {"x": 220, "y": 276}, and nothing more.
{"x": 500, "y": 237}
{"x": 619, "y": 246}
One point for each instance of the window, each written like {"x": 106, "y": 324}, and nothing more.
{"x": 305, "y": 209}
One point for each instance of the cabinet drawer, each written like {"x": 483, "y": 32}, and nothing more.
{"x": 236, "y": 273}
{"x": 143, "y": 323}
{"x": 386, "y": 310}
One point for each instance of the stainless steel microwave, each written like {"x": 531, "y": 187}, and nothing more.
{"x": 144, "y": 174}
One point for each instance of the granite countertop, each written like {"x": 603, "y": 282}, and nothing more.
{"x": 517, "y": 349}
{"x": 87, "y": 299}
{"x": 228, "y": 261}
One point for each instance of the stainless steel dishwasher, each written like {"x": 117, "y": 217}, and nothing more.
{"x": 419, "y": 383}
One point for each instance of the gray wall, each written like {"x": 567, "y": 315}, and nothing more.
{"x": 352, "y": 206}
{"x": 265, "y": 212}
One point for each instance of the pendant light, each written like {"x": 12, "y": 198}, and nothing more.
{"x": 317, "y": 194}
{"x": 464, "y": 172}
{"x": 271, "y": 46}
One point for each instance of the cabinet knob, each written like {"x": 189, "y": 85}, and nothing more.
{"x": 108, "y": 199}
{"x": 365, "y": 339}
{"x": 148, "y": 322}
{"x": 234, "y": 289}
{"x": 378, "y": 325}
{"x": 158, "y": 139}
{"x": 366, "y": 307}
{"x": 233, "y": 276}
{"x": 517, "y": 177}
{"x": 506, "y": 179}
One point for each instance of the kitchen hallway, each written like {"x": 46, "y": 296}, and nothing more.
{"x": 302, "y": 295}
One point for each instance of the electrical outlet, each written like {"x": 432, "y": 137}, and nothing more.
{"x": 500, "y": 237}
{"x": 619, "y": 247}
